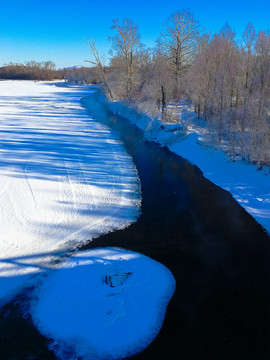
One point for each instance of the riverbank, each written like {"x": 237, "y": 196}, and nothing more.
{"x": 218, "y": 254}
{"x": 249, "y": 187}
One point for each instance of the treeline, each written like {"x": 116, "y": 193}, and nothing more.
{"x": 31, "y": 70}
{"x": 81, "y": 75}
{"x": 226, "y": 76}
{"x": 46, "y": 70}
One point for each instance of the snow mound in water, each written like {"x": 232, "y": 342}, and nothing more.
{"x": 105, "y": 303}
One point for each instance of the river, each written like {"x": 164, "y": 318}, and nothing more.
{"x": 218, "y": 254}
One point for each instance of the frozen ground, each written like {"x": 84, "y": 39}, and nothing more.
{"x": 103, "y": 304}
{"x": 250, "y": 187}
{"x": 64, "y": 178}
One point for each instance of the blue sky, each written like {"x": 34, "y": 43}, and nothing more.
{"x": 55, "y": 29}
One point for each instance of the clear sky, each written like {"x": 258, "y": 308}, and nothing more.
{"x": 55, "y": 29}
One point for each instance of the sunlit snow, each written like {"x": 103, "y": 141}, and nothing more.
{"x": 103, "y": 304}
{"x": 64, "y": 178}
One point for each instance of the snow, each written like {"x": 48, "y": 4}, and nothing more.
{"x": 153, "y": 128}
{"x": 250, "y": 187}
{"x": 64, "y": 179}
{"x": 106, "y": 303}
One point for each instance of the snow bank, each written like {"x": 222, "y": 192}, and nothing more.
{"x": 154, "y": 129}
{"x": 250, "y": 187}
{"x": 105, "y": 303}
{"x": 64, "y": 178}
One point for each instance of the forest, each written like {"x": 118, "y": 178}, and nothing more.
{"x": 225, "y": 75}
{"x": 31, "y": 70}
{"x": 47, "y": 71}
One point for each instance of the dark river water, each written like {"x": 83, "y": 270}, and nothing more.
{"x": 218, "y": 254}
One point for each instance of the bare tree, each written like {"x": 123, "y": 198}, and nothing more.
{"x": 161, "y": 80}
{"x": 100, "y": 65}
{"x": 262, "y": 49}
{"x": 180, "y": 40}
{"x": 126, "y": 45}
{"x": 249, "y": 37}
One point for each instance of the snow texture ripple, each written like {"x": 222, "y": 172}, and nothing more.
{"x": 64, "y": 179}
{"x": 106, "y": 303}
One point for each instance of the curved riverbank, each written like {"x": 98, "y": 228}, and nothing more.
{"x": 190, "y": 139}
{"x": 218, "y": 254}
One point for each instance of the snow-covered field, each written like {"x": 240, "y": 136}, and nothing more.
{"x": 64, "y": 178}
{"x": 103, "y": 304}
{"x": 249, "y": 186}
